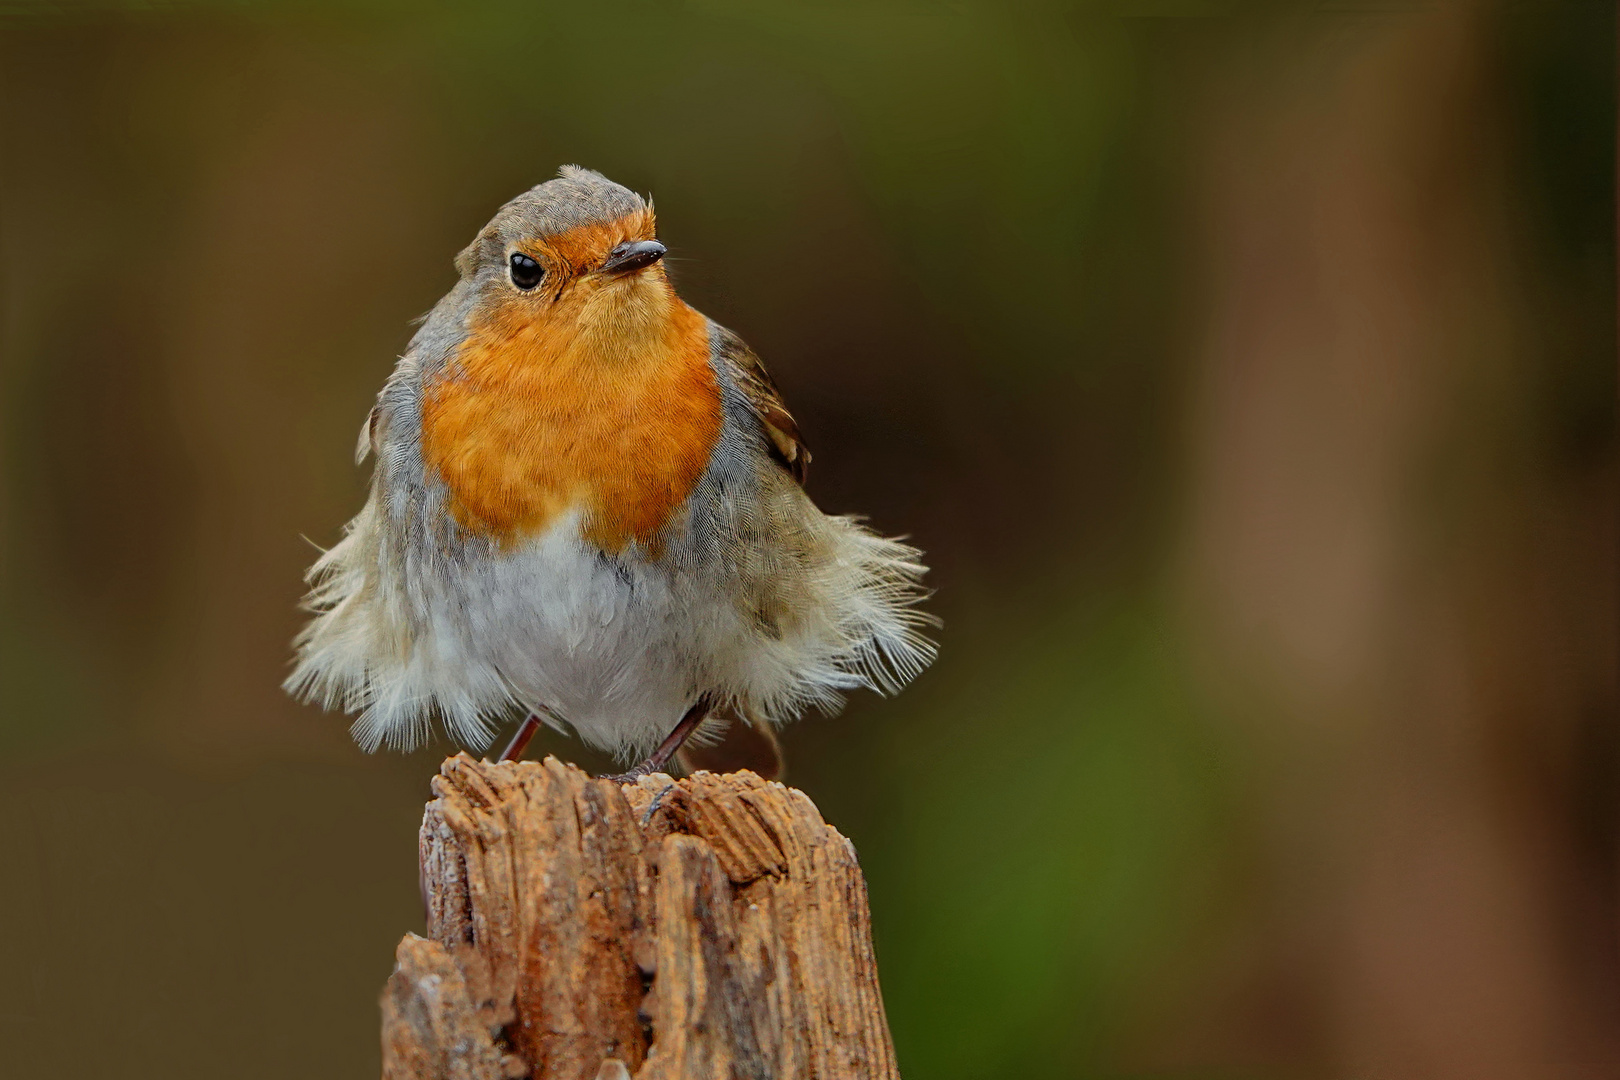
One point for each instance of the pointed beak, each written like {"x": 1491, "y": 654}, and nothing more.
{"x": 633, "y": 255}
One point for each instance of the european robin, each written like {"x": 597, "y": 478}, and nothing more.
{"x": 587, "y": 508}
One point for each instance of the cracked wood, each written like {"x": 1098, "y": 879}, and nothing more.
{"x": 713, "y": 926}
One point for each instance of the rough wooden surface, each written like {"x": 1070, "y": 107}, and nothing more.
{"x": 668, "y": 930}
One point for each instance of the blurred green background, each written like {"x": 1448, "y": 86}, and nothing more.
{"x": 1246, "y": 369}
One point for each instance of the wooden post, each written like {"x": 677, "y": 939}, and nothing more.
{"x": 664, "y": 930}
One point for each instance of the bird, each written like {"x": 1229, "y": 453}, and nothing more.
{"x": 587, "y": 509}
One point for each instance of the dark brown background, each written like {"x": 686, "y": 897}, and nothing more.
{"x": 1248, "y": 376}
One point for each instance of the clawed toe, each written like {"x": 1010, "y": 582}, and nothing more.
{"x": 644, "y": 769}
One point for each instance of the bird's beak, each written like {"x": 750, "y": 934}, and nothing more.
{"x": 633, "y": 255}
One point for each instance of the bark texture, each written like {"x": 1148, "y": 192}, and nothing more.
{"x": 664, "y": 930}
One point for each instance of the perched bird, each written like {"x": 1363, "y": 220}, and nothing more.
{"x": 587, "y": 508}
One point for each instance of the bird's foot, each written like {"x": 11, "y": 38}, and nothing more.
{"x": 666, "y": 750}
{"x": 646, "y": 768}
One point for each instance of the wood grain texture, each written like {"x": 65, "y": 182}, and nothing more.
{"x": 708, "y": 927}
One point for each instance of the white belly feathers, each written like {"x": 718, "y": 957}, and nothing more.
{"x": 600, "y": 643}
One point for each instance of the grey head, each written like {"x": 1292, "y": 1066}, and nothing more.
{"x": 576, "y": 197}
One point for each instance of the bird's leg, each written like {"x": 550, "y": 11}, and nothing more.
{"x": 666, "y": 749}
{"x": 520, "y": 738}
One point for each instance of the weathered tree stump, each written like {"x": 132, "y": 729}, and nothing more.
{"x": 667, "y": 930}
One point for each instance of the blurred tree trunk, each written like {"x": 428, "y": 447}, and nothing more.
{"x": 1401, "y": 568}
{"x": 710, "y": 927}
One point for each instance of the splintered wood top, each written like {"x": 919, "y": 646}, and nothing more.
{"x": 713, "y": 926}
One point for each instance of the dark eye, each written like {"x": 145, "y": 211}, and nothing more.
{"x": 526, "y": 273}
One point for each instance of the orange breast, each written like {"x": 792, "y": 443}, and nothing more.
{"x": 613, "y": 410}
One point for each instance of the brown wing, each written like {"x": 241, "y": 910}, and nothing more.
{"x": 780, "y": 427}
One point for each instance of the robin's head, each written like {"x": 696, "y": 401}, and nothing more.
{"x": 575, "y": 256}
{"x": 569, "y": 370}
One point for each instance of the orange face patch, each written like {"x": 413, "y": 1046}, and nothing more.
{"x": 597, "y": 395}
{"x": 581, "y": 249}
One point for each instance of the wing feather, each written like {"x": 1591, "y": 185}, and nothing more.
{"x": 781, "y": 429}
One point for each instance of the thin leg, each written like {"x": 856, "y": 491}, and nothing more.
{"x": 666, "y": 749}
{"x": 520, "y": 739}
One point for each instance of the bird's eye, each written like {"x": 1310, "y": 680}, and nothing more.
{"x": 526, "y": 273}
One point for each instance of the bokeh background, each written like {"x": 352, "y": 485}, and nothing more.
{"x": 1246, "y": 369}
